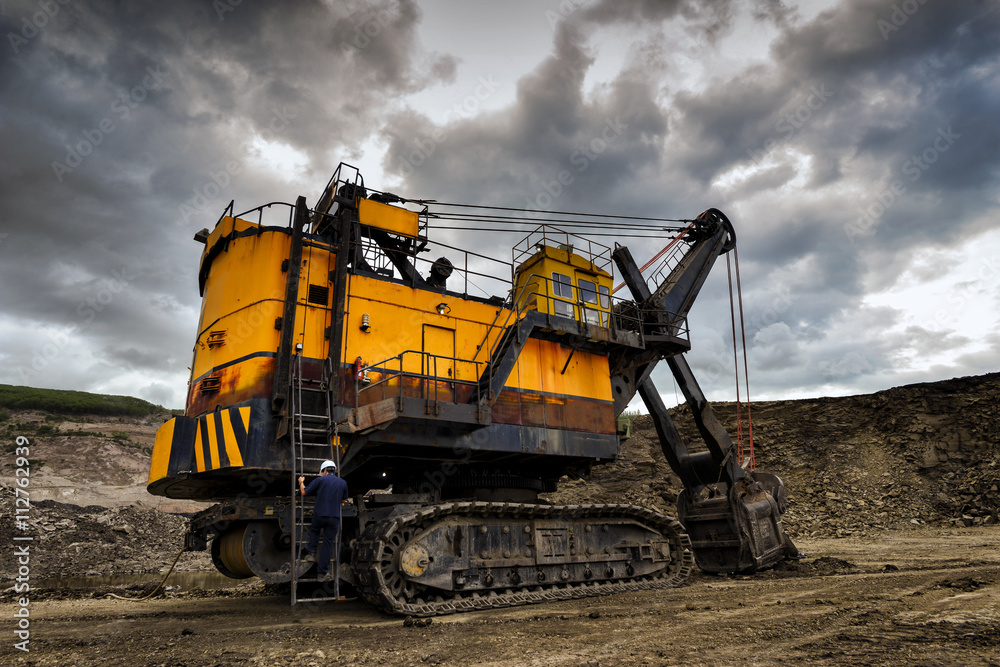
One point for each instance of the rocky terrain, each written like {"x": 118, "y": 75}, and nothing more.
{"x": 920, "y": 455}
{"x": 892, "y": 496}
{"x": 83, "y": 541}
{"x": 924, "y": 454}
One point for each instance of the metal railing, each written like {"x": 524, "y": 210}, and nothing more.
{"x": 598, "y": 254}
{"x": 429, "y": 384}
{"x": 661, "y": 273}
{"x": 259, "y": 210}
{"x": 622, "y": 315}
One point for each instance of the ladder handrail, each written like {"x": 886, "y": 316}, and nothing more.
{"x": 298, "y": 505}
{"x": 297, "y": 436}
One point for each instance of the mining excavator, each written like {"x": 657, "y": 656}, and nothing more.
{"x": 328, "y": 333}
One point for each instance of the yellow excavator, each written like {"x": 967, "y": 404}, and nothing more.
{"x": 328, "y": 333}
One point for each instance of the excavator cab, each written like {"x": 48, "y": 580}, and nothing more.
{"x": 556, "y": 276}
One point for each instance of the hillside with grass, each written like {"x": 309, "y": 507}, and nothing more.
{"x": 60, "y": 401}
{"x": 86, "y": 449}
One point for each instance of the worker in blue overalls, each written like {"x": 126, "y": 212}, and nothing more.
{"x": 330, "y": 491}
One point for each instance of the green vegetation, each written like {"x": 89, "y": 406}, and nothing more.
{"x": 4, "y": 414}
{"x": 59, "y": 401}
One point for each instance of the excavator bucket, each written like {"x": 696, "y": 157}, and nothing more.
{"x": 732, "y": 516}
{"x": 739, "y": 531}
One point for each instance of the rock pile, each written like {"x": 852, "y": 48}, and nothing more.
{"x": 924, "y": 454}
{"x": 73, "y": 540}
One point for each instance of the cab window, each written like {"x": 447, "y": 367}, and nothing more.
{"x": 562, "y": 288}
{"x": 588, "y": 294}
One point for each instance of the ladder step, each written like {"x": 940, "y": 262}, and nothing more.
{"x": 312, "y": 599}
{"x": 311, "y": 469}
{"x": 312, "y": 431}
{"x": 313, "y": 417}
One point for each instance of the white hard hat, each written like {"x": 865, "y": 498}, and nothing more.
{"x": 327, "y": 464}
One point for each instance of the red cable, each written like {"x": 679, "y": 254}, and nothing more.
{"x": 736, "y": 364}
{"x": 657, "y": 255}
{"x": 746, "y": 367}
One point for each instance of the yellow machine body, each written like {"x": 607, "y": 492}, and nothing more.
{"x": 413, "y": 342}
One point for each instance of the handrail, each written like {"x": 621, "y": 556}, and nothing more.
{"x": 383, "y": 366}
{"x": 260, "y": 211}
{"x": 517, "y": 306}
{"x": 597, "y": 253}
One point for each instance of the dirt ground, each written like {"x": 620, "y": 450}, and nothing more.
{"x": 910, "y": 597}
{"x": 893, "y": 496}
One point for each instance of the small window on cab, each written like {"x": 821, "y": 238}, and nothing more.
{"x": 562, "y": 288}
{"x": 588, "y": 294}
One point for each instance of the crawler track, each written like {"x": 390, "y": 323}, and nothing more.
{"x": 382, "y": 584}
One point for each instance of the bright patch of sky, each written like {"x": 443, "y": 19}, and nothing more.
{"x": 943, "y": 291}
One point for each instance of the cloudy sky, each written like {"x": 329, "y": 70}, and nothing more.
{"x": 854, "y": 144}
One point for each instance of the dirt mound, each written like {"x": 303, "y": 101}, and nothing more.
{"x": 74, "y": 540}
{"x": 87, "y": 459}
{"x": 923, "y": 454}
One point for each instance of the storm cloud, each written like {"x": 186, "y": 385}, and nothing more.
{"x": 853, "y": 144}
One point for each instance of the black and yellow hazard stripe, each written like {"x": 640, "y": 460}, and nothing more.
{"x": 218, "y": 439}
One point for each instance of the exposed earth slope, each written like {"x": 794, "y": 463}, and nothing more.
{"x": 892, "y": 496}
{"x": 919, "y": 455}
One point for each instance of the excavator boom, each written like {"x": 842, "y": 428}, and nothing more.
{"x": 732, "y": 515}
